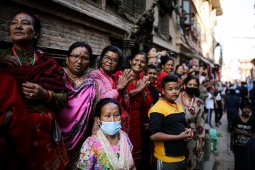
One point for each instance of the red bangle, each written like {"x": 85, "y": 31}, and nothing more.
{"x": 49, "y": 97}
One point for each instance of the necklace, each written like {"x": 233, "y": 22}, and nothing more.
{"x": 14, "y": 52}
{"x": 187, "y": 101}
{"x": 170, "y": 104}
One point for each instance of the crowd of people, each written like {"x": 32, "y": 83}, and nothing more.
{"x": 142, "y": 112}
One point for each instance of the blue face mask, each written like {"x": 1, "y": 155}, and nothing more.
{"x": 245, "y": 86}
{"x": 110, "y": 128}
{"x": 237, "y": 91}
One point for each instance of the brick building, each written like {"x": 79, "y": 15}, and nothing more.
{"x": 129, "y": 24}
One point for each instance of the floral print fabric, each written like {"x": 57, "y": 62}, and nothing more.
{"x": 93, "y": 157}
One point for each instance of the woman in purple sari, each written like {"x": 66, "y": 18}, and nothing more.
{"x": 75, "y": 119}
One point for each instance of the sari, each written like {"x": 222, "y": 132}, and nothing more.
{"x": 15, "y": 139}
{"x": 43, "y": 153}
{"x": 138, "y": 113}
{"x": 74, "y": 120}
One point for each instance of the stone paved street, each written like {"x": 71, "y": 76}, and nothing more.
{"x": 225, "y": 158}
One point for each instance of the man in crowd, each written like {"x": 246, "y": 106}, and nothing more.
{"x": 252, "y": 98}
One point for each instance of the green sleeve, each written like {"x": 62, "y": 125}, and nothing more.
{"x": 58, "y": 100}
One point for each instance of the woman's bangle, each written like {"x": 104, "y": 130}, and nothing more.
{"x": 49, "y": 96}
{"x": 126, "y": 94}
{"x": 145, "y": 94}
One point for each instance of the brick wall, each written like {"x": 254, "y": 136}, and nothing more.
{"x": 60, "y": 30}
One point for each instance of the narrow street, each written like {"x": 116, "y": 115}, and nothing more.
{"x": 224, "y": 157}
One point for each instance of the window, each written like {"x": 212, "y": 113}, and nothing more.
{"x": 129, "y": 6}
{"x": 203, "y": 32}
{"x": 163, "y": 22}
{"x": 186, "y": 8}
{"x": 110, "y": 6}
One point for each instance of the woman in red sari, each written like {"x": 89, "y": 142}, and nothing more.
{"x": 140, "y": 101}
{"x": 167, "y": 64}
{"x": 42, "y": 88}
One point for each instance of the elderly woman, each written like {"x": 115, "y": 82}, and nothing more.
{"x": 167, "y": 64}
{"x": 76, "y": 118}
{"x": 194, "y": 114}
{"x": 140, "y": 100}
{"x": 110, "y": 61}
{"x": 42, "y": 88}
{"x": 110, "y": 148}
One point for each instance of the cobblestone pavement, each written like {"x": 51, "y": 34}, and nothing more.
{"x": 224, "y": 157}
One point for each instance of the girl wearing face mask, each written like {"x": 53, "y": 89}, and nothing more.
{"x": 110, "y": 148}
{"x": 194, "y": 113}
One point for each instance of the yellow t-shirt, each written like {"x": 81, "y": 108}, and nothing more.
{"x": 169, "y": 120}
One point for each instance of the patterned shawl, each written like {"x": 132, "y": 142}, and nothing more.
{"x": 45, "y": 72}
{"x": 74, "y": 118}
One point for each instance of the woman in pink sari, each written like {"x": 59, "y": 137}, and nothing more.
{"x": 110, "y": 61}
{"x": 74, "y": 120}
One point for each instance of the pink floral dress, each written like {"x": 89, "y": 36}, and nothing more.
{"x": 93, "y": 157}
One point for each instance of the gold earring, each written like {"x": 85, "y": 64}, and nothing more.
{"x": 35, "y": 37}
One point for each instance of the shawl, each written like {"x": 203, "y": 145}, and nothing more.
{"x": 45, "y": 72}
{"x": 125, "y": 160}
{"x": 74, "y": 118}
{"x": 19, "y": 130}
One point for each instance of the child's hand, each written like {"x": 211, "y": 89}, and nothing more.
{"x": 184, "y": 135}
{"x": 231, "y": 147}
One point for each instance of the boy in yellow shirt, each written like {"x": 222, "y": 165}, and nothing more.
{"x": 168, "y": 127}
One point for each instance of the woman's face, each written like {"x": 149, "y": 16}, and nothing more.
{"x": 153, "y": 61}
{"x": 138, "y": 63}
{"x": 110, "y": 62}
{"x": 192, "y": 84}
{"x": 109, "y": 113}
{"x": 22, "y": 29}
{"x": 152, "y": 52}
{"x": 78, "y": 61}
{"x": 168, "y": 67}
{"x": 180, "y": 70}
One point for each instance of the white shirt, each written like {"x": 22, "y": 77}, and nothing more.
{"x": 209, "y": 103}
{"x": 201, "y": 79}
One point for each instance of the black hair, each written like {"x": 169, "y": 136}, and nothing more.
{"x": 169, "y": 78}
{"x": 36, "y": 23}
{"x": 253, "y": 82}
{"x": 151, "y": 66}
{"x": 149, "y": 48}
{"x": 179, "y": 65}
{"x": 114, "y": 49}
{"x": 191, "y": 78}
{"x": 165, "y": 59}
{"x": 245, "y": 103}
{"x": 102, "y": 103}
{"x": 131, "y": 56}
{"x": 209, "y": 88}
{"x": 80, "y": 44}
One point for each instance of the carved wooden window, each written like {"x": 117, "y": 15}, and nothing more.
{"x": 134, "y": 7}
{"x": 163, "y": 22}
{"x": 111, "y": 6}
{"x": 129, "y": 6}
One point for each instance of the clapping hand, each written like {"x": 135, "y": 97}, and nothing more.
{"x": 141, "y": 85}
{"x": 125, "y": 79}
